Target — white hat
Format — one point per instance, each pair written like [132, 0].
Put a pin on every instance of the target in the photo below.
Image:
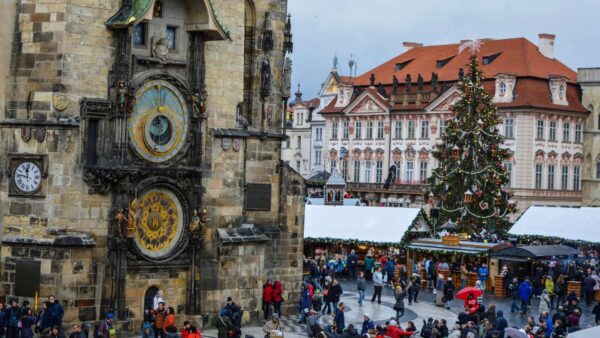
[393, 322]
[366, 315]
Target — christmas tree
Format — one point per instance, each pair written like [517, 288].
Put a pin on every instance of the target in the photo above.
[467, 184]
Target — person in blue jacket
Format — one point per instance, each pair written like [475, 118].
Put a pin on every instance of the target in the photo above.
[390, 267]
[524, 293]
[339, 320]
[366, 325]
[482, 274]
[304, 302]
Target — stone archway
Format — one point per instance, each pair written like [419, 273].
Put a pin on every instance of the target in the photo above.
[149, 298]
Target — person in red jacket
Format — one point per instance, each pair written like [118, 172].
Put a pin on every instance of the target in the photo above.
[277, 297]
[394, 331]
[471, 305]
[267, 298]
[185, 332]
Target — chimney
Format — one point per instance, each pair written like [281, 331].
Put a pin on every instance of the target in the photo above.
[546, 45]
[410, 45]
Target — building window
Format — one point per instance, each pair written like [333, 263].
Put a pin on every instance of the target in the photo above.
[564, 178]
[409, 171]
[378, 171]
[410, 129]
[356, 171]
[334, 130]
[508, 167]
[369, 130]
[598, 169]
[424, 129]
[139, 34]
[344, 165]
[578, 133]
[358, 130]
[368, 171]
[539, 168]
[502, 89]
[398, 171]
[333, 165]
[423, 172]
[345, 130]
[298, 166]
[539, 135]
[172, 37]
[509, 131]
[380, 129]
[561, 92]
[299, 142]
[566, 132]
[551, 176]
[576, 177]
[552, 136]
[398, 130]
[319, 134]
[317, 157]
[442, 128]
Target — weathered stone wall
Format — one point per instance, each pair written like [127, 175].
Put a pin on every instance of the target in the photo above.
[7, 28]
[72, 275]
[589, 79]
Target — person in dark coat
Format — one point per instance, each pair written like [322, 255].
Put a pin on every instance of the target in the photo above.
[588, 289]
[500, 323]
[335, 291]
[399, 294]
[13, 316]
[28, 320]
[449, 292]
[352, 261]
[224, 324]
[339, 320]
[54, 312]
[367, 325]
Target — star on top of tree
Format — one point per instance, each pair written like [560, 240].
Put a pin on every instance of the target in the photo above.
[472, 45]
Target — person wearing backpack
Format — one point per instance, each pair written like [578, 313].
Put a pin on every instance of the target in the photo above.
[427, 328]
[13, 320]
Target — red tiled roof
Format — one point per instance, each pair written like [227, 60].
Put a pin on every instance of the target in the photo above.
[518, 56]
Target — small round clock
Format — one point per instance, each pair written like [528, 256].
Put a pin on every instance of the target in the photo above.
[27, 177]
[158, 127]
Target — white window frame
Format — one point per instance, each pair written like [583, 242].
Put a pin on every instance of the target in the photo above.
[369, 130]
[538, 176]
[368, 165]
[356, 170]
[410, 167]
[379, 130]
[577, 177]
[551, 176]
[508, 168]
[378, 171]
[539, 134]
[398, 129]
[334, 130]
[358, 130]
[564, 177]
[566, 132]
[425, 129]
[442, 128]
[345, 126]
[509, 128]
[578, 132]
[410, 129]
[552, 131]
[423, 168]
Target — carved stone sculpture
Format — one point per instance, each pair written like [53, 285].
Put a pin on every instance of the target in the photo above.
[122, 222]
[265, 85]
[394, 85]
[408, 80]
[434, 82]
[287, 78]
[160, 48]
[419, 83]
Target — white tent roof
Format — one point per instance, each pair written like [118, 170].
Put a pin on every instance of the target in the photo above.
[375, 224]
[593, 332]
[568, 223]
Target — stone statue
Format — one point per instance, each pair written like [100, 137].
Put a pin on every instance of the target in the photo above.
[372, 79]
[131, 222]
[265, 84]
[408, 80]
[122, 97]
[394, 85]
[419, 83]
[267, 41]
[287, 78]
[122, 222]
[160, 48]
[199, 102]
[434, 82]
[381, 90]
[195, 222]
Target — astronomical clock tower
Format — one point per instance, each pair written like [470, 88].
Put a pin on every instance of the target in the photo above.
[140, 151]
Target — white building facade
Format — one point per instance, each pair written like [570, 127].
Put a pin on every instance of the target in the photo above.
[372, 129]
[296, 149]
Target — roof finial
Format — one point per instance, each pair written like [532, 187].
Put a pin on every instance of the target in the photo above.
[335, 62]
[298, 94]
[351, 64]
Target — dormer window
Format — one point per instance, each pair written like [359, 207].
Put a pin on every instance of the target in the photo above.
[490, 58]
[442, 63]
[401, 65]
[502, 89]
[505, 85]
[558, 91]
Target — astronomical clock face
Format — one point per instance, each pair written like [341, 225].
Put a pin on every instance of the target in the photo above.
[159, 223]
[158, 126]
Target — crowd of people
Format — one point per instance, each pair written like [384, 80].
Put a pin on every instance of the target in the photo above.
[558, 311]
[21, 321]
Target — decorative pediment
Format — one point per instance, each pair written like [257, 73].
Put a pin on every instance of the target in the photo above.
[367, 103]
[447, 99]
[330, 86]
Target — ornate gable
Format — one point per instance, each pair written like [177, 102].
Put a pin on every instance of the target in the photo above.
[367, 103]
[446, 100]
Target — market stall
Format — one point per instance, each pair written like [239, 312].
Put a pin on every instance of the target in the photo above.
[338, 230]
[455, 252]
[524, 260]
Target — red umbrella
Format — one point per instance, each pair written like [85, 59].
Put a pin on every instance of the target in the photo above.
[464, 293]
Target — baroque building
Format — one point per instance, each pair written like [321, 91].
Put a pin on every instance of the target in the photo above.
[296, 149]
[589, 80]
[391, 117]
[140, 149]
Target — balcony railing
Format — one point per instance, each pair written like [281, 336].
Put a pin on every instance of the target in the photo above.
[404, 186]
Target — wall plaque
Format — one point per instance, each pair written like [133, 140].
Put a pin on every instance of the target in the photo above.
[27, 278]
[258, 197]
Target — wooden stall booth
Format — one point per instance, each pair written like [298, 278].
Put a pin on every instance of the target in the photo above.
[454, 251]
[523, 261]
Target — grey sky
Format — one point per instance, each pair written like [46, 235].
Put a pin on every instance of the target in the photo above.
[373, 30]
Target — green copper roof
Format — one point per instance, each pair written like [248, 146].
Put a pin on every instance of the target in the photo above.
[130, 15]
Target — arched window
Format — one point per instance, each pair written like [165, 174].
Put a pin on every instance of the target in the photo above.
[502, 88]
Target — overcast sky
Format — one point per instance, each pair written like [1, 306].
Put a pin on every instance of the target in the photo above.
[373, 30]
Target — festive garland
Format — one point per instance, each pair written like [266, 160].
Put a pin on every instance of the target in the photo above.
[554, 239]
[447, 252]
